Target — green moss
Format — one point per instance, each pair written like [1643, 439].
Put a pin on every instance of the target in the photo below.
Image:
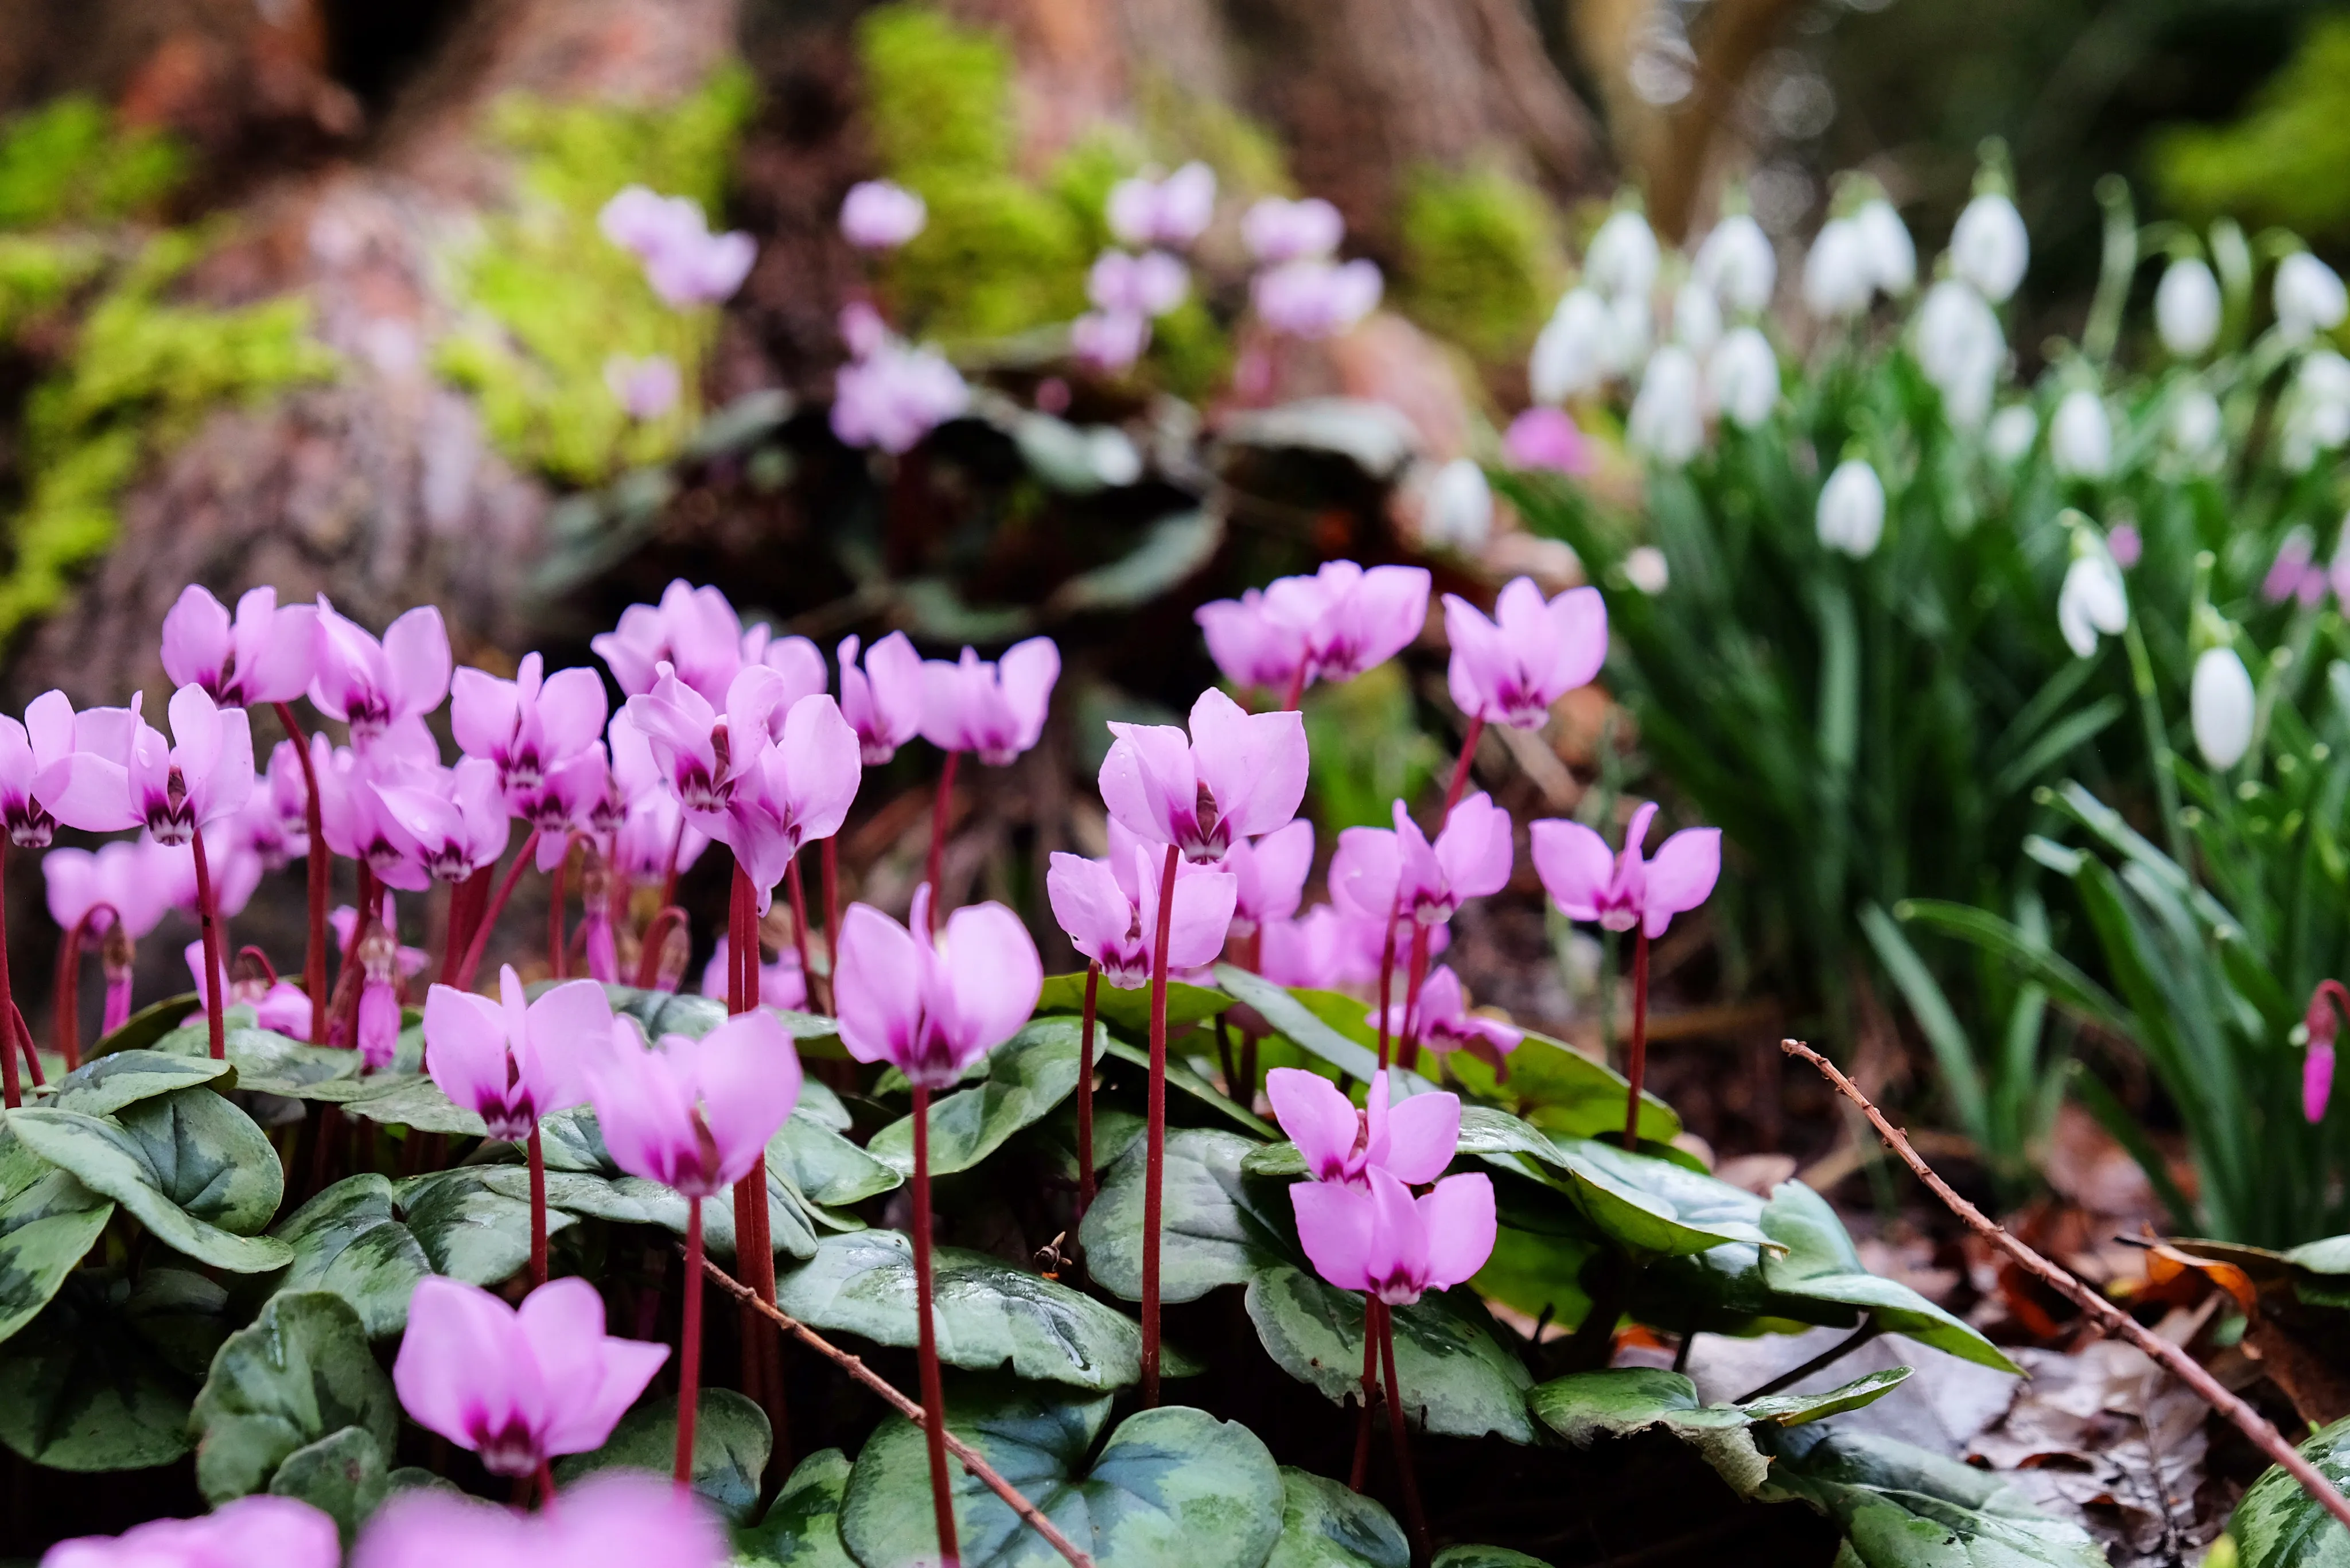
[37, 272]
[66, 160]
[939, 95]
[1481, 259]
[553, 300]
[2282, 162]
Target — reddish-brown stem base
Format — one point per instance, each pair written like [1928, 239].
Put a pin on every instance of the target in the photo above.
[1387, 984]
[320, 863]
[656, 938]
[1461, 769]
[66, 999]
[942, 819]
[754, 1244]
[934, 1399]
[688, 1345]
[537, 1211]
[799, 933]
[546, 1485]
[1636, 1059]
[11, 1089]
[1360, 1473]
[1296, 692]
[1415, 972]
[1155, 1152]
[215, 982]
[832, 916]
[1086, 1094]
[1414, 1520]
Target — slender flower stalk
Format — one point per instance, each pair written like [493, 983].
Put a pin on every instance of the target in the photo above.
[799, 931]
[934, 1399]
[318, 866]
[1476, 733]
[1415, 1519]
[1155, 1154]
[11, 1090]
[463, 979]
[215, 974]
[689, 1347]
[1085, 1093]
[1635, 1050]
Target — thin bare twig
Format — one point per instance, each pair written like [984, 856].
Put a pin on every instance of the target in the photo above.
[855, 1367]
[2109, 1318]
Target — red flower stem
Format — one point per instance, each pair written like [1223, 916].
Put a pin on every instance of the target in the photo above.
[25, 1038]
[1086, 1093]
[799, 933]
[215, 996]
[934, 1402]
[1296, 692]
[1155, 1167]
[345, 1001]
[11, 1090]
[465, 901]
[545, 1486]
[1407, 1053]
[689, 1347]
[320, 863]
[1637, 1060]
[669, 873]
[537, 1210]
[1461, 769]
[940, 813]
[832, 916]
[1387, 983]
[656, 938]
[496, 907]
[1414, 1519]
[66, 999]
[1361, 1472]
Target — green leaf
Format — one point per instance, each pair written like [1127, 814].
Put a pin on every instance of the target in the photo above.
[1653, 1206]
[1561, 1090]
[1172, 1488]
[1027, 1075]
[626, 1200]
[801, 1529]
[985, 1313]
[1962, 1078]
[342, 1475]
[1171, 551]
[1903, 1507]
[104, 1086]
[101, 1380]
[143, 1028]
[268, 1061]
[301, 1372]
[1298, 1024]
[48, 1221]
[826, 1167]
[194, 1168]
[2279, 1525]
[1456, 1379]
[731, 1443]
[1216, 1228]
[659, 1012]
[1821, 1264]
[359, 1239]
[1179, 1075]
[470, 1229]
[1324, 1525]
[1485, 1557]
[1800, 1410]
[409, 1100]
[1619, 1401]
[1129, 1011]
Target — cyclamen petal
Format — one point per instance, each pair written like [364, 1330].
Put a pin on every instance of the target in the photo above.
[246, 1532]
[932, 1008]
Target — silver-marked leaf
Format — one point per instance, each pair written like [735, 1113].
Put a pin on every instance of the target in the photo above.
[1456, 1379]
[2280, 1525]
[1304, 1028]
[632, 1201]
[1904, 1507]
[1214, 1229]
[470, 1229]
[801, 1529]
[194, 1168]
[731, 1442]
[414, 1101]
[659, 1012]
[102, 1378]
[342, 1475]
[820, 1105]
[1822, 1263]
[1171, 1488]
[101, 1087]
[1485, 1557]
[266, 1061]
[143, 1028]
[48, 1220]
[826, 1167]
[1129, 1011]
[985, 1313]
[301, 1372]
[360, 1241]
[1027, 1075]
[1619, 1401]
[1324, 1525]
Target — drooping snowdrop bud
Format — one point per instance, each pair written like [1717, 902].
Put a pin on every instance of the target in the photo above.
[1959, 348]
[2309, 298]
[2195, 430]
[2081, 438]
[1457, 507]
[1838, 278]
[2092, 601]
[1851, 516]
[1989, 246]
[2187, 307]
[2011, 431]
[1623, 255]
[1742, 378]
[1697, 318]
[2220, 707]
[1892, 255]
[1571, 354]
[1629, 323]
[2317, 409]
[1668, 419]
[880, 215]
[1646, 568]
[1737, 263]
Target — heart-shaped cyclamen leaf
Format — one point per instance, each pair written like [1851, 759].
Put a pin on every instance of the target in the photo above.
[1027, 1075]
[1324, 1525]
[2279, 1525]
[48, 1220]
[1216, 1228]
[102, 1378]
[731, 1442]
[361, 1240]
[301, 1372]
[266, 1061]
[801, 1529]
[342, 1475]
[1904, 1507]
[104, 1086]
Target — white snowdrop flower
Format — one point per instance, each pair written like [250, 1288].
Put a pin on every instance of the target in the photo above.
[1629, 325]
[1743, 377]
[1644, 569]
[1892, 255]
[1668, 419]
[1989, 247]
[1458, 506]
[2081, 438]
[2337, 571]
[2220, 707]
[2187, 307]
[2092, 601]
[1737, 263]
[2318, 411]
[1572, 353]
[1838, 278]
[1960, 349]
[2193, 429]
[1852, 509]
[2011, 432]
[1697, 318]
[1623, 255]
[2308, 296]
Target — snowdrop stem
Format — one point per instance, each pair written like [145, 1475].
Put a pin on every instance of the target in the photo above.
[208, 917]
[318, 864]
[10, 1089]
[1085, 1093]
[800, 940]
[1155, 1153]
[1461, 769]
[934, 1392]
[688, 1345]
[1414, 1520]
[491, 911]
[941, 814]
[1407, 1049]
[2157, 746]
[537, 1210]
[1635, 1057]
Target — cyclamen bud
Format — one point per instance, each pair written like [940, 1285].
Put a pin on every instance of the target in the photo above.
[2317, 1064]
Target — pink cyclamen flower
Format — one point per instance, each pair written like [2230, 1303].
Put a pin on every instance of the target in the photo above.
[2317, 1062]
[695, 1115]
[640, 814]
[279, 1006]
[1107, 341]
[893, 396]
[1545, 439]
[2295, 575]
[1269, 875]
[702, 749]
[1110, 909]
[1413, 1141]
[787, 793]
[1248, 645]
[256, 1532]
[1277, 230]
[932, 1007]
[121, 876]
[342, 919]
[2123, 543]
[692, 630]
[1316, 299]
[170, 790]
[645, 388]
[615, 1518]
[229, 855]
[1510, 669]
[1377, 869]
[1147, 285]
[996, 710]
[445, 823]
[44, 739]
[1446, 1025]
[371, 685]
[278, 814]
[1313, 950]
[1622, 891]
[1237, 775]
[1173, 211]
[1351, 620]
[780, 984]
[264, 655]
[517, 1386]
[532, 729]
[880, 215]
[1385, 1242]
[684, 262]
[883, 701]
[513, 1062]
